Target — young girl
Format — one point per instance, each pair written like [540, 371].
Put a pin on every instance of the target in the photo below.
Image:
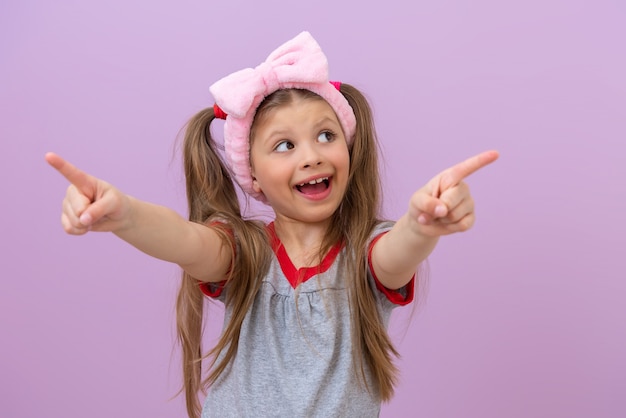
[308, 297]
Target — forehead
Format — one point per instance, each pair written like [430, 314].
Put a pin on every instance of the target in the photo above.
[299, 110]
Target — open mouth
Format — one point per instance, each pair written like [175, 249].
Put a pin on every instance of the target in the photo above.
[314, 186]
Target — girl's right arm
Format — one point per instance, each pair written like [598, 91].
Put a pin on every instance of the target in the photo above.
[91, 204]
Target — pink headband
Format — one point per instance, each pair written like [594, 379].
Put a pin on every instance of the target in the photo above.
[299, 63]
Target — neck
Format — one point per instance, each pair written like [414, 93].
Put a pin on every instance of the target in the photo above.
[301, 240]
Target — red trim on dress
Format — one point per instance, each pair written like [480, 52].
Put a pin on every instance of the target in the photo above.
[212, 289]
[296, 276]
[394, 296]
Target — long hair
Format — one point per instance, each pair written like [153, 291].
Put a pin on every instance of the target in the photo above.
[355, 219]
[212, 199]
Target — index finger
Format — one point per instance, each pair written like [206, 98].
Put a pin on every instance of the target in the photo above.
[462, 170]
[80, 179]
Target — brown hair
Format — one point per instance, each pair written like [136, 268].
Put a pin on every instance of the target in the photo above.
[212, 197]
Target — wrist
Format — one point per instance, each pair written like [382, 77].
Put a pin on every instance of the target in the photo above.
[419, 230]
[127, 215]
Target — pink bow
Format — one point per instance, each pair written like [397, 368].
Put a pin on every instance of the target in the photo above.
[298, 61]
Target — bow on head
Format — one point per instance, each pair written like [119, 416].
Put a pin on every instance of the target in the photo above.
[298, 61]
[299, 64]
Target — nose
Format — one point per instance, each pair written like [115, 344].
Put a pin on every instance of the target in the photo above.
[312, 164]
[310, 156]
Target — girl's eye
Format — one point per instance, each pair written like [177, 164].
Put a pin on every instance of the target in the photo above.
[284, 146]
[326, 136]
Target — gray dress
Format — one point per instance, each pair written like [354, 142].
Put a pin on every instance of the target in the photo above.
[294, 356]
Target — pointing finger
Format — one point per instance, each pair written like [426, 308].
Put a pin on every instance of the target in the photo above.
[83, 181]
[455, 174]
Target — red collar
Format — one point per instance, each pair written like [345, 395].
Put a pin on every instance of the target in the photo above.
[301, 275]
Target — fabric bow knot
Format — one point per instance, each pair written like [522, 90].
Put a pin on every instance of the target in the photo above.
[299, 61]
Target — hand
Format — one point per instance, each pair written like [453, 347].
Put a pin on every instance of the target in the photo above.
[444, 205]
[90, 204]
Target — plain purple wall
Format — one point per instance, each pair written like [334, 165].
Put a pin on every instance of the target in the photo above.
[525, 314]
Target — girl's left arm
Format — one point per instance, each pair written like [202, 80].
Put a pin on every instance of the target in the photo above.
[443, 206]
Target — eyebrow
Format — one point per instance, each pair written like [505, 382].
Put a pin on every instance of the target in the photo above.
[278, 132]
[286, 132]
[325, 120]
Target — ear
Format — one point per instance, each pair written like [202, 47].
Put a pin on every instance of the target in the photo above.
[255, 185]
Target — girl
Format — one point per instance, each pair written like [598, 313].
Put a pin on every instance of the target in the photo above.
[308, 297]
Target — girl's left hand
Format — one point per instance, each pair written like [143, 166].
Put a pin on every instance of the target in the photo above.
[444, 205]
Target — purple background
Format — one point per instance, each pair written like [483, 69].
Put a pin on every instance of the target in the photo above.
[525, 314]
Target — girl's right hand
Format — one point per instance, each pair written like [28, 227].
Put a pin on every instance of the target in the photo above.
[90, 204]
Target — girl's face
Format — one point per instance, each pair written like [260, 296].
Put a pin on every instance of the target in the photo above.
[300, 161]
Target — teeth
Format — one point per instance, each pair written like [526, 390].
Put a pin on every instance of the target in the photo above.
[314, 181]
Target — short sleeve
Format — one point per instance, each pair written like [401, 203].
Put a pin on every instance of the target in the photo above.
[399, 297]
[212, 289]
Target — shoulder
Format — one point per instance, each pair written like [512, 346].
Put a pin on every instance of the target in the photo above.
[380, 228]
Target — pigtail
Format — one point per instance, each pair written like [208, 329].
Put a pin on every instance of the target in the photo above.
[358, 216]
[212, 199]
